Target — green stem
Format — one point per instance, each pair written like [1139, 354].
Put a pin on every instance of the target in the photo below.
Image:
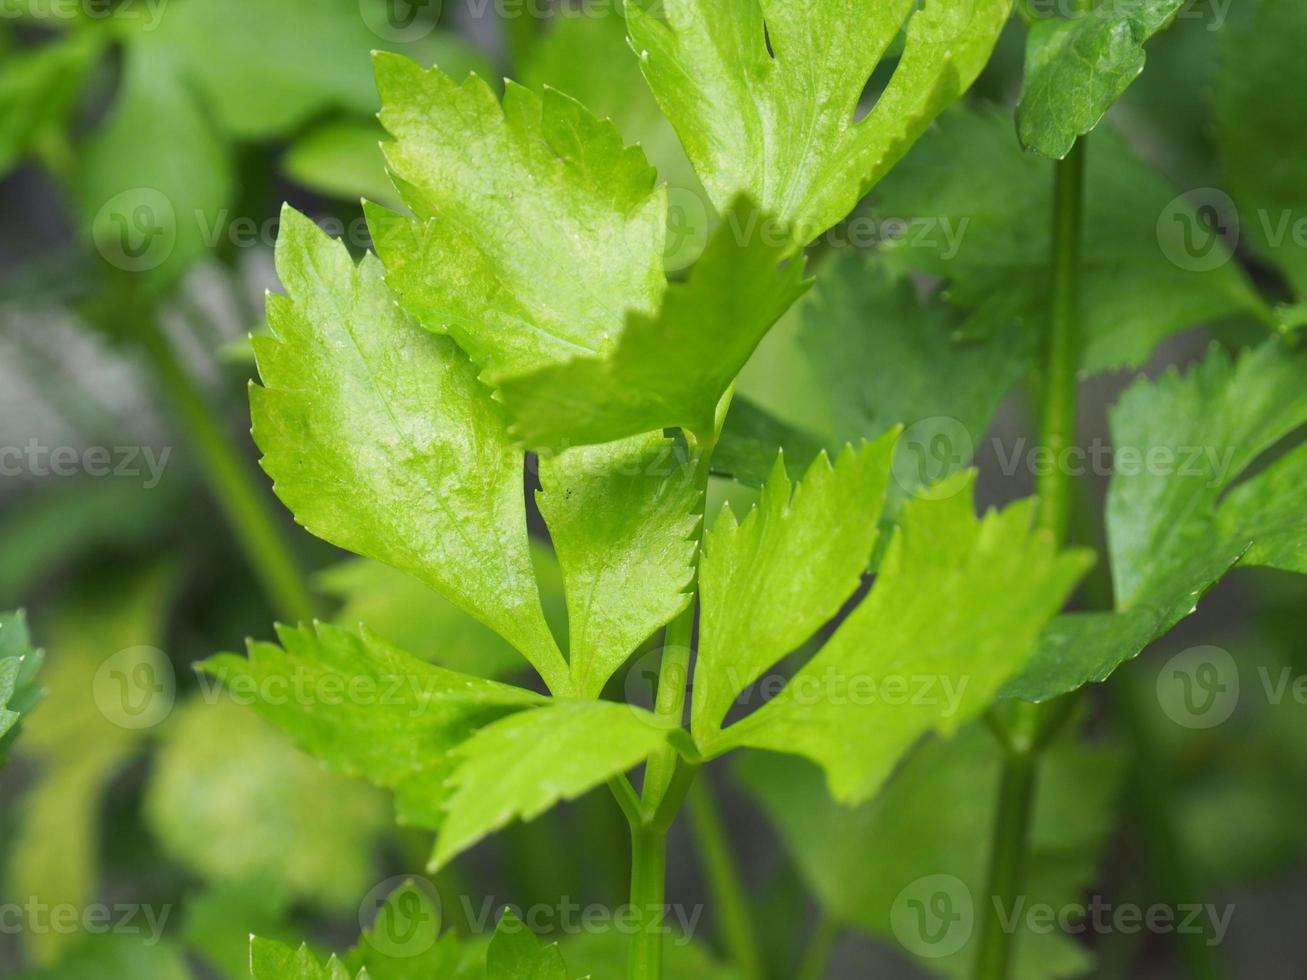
[241, 498]
[724, 884]
[1025, 729]
[667, 777]
[648, 888]
[674, 671]
[817, 955]
[1056, 488]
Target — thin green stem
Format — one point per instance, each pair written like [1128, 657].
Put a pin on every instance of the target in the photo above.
[1056, 486]
[648, 888]
[1024, 729]
[674, 671]
[242, 499]
[724, 884]
[817, 956]
[668, 777]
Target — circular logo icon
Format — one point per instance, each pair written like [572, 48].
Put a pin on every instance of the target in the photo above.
[939, 23]
[136, 688]
[687, 228]
[1199, 687]
[400, 21]
[400, 917]
[933, 916]
[1198, 231]
[644, 674]
[136, 231]
[929, 451]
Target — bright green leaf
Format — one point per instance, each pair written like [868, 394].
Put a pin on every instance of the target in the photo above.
[229, 797]
[987, 230]
[369, 709]
[768, 584]
[588, 58]
[271, 960]
[672, 369]
[379, 439]
[520, 766]
[537, 230]
[404, 943]
[1077, 66]
[622, 518]
[764, 94]
[955, 611]
[516, 954]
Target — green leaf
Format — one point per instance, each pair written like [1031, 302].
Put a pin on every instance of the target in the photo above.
[404, 942]
[929, 832]
[1261, 135]
[401, 610]
[38, 88]
[516, 954]
[589, 58]
[257, 75]
[764, 94]
[1077, 66]
[622, 518]
[520, 766]
[229, 797]
[1141, 279]
[341, 159]
[379, 439]
[955, 611]
[768, 584]
[220, 920]
[1177, 516]
[536, 229]
[271, 960]
[672, 369]
[882, 357]
[105, 683]
[19, 662]
[750, 440]
[368, 709]
[153, 183]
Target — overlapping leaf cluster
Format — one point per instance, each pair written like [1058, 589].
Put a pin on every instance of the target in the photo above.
[522, 304]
